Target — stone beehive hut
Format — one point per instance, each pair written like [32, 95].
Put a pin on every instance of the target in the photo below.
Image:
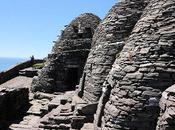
[65, 64]
[108, 41]
[130, 64]
[141, 72]
[125, 79]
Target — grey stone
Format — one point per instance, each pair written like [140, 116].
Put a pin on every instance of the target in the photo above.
[64, 66]
[138, 107]
[115, 28]
[130, 69]
[167, 114]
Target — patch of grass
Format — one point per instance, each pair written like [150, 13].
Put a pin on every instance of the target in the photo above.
[38, 65]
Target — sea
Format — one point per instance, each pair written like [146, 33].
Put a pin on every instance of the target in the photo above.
[8, 62]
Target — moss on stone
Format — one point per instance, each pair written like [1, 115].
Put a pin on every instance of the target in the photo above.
[38, 65]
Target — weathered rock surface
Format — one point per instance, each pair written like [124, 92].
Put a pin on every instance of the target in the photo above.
[65, 64]
[130, 66]
[14, 99]
[143, 70]
[39, 103]
[167, 114]
[68, 112]
[61, 113]
[108, 41]
[28, 72]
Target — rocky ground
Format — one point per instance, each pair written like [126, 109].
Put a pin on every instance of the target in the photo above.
[43, 110]
[17, 82]
[52, 111]
[123, 86]
[14, 95]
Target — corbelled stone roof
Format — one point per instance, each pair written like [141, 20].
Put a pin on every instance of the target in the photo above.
[124, 84]
[108, 41]
[144, 69]
[69, 52]
[77, 29]
[130, 64]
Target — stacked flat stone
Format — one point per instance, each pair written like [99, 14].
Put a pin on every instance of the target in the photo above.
[142, 71]
[13, 102]
[167, 114]
[108, 41]
[70, 51]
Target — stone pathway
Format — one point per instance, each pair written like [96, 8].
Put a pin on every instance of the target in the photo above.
[38, 108]
[29, 72]
[38, 102]
[69, 112]
[61, 112]
[20, 81]
[65, 111]
[88, 126]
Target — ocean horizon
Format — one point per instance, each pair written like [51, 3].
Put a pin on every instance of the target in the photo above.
[8, 62]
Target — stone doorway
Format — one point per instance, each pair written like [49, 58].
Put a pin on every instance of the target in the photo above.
[89, 33]
[72, 78]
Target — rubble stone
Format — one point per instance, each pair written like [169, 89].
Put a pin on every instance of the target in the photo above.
[124, 83]
[167, 114]
[14, 99]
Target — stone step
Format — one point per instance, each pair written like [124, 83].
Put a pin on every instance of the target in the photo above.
[20, 127]
[77, 122]
[55, 102]
[67, 114]
[34, 111]
[37, 107]
[44, 109]
[28, 122]
[88, 126]
[28, 72]
[56, 127]
[61, 119]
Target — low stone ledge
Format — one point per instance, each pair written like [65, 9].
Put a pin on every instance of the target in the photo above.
[13, 102]
[14, 71]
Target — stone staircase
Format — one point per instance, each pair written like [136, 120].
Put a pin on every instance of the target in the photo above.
[29, 122]
[59, 118]
[32, 117]
[59, 111]
[28, 72]
[69, 113]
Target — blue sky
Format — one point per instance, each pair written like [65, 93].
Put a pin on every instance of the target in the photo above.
[28, 27]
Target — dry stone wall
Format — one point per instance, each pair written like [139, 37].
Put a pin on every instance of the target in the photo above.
[130, 64]
[65, 64]
[13, 102]
[124, 84]
[142, 71]
[14, 71]
[167, 114]
[108, 41]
